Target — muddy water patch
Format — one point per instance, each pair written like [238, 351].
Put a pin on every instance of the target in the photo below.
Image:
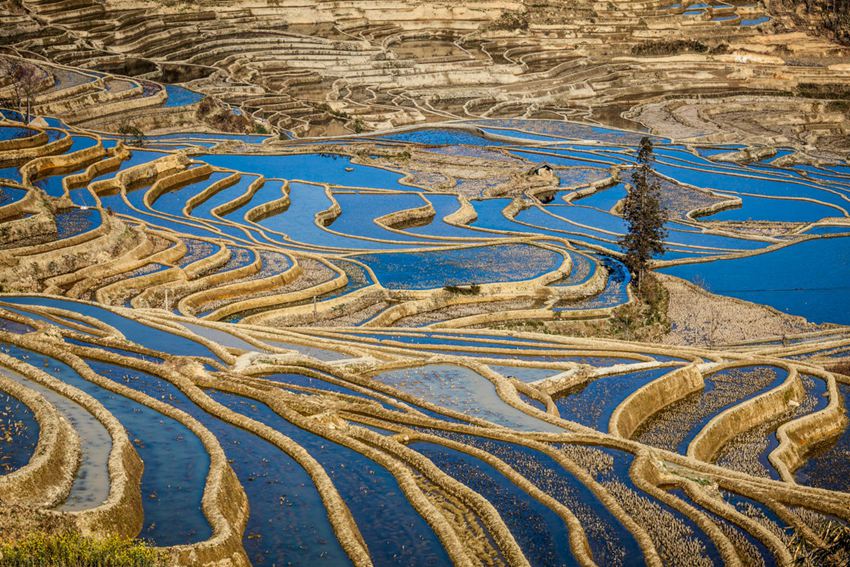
[91, 481]
[463, 390]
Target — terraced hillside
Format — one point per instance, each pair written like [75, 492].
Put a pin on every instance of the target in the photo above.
[342, 283]
[328, 67]
[381, 446]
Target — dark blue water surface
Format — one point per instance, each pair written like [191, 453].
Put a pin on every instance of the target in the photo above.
[71, 222]
[608, 538]
[808, 279]
[442, 137]
[18, 433]
[394, 532]
[826, 466]
[755, 21]
[776, 210]
[150, 337]
[444, 205]
[173, 201]
[539, 531]
[359, 211]
[591, 404]
[15, 327]
[52, 182]
[320, 168]
[180, 96]
[9, 195]
[176, 462]
[486, 264]
[604, 199]
[298, 221]
[224, 195]
[137, 157]
[15, 132]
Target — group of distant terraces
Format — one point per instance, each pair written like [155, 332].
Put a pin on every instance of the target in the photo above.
[328, 68]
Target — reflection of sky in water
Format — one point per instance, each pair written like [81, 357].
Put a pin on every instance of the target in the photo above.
[462, 390]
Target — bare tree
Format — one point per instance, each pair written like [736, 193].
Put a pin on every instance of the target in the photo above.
[24, 79]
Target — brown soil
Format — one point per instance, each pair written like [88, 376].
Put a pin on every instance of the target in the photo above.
[700, 318]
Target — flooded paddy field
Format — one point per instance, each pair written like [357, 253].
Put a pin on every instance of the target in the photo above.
[397, 448]
[384, 328]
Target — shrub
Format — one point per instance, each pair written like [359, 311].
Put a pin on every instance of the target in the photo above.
[206, 106]
[824, 90]
[473, 289]
[132, 134]
[223, 118]
[72, 549]
[834, 552]
[338, 114]
[645, 318]
[510, 21]
[840, 367]
[828, 17]
[838, 106]
[669, 47]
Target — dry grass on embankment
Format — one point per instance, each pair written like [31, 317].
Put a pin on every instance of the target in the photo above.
[701, 318]
[71, 548]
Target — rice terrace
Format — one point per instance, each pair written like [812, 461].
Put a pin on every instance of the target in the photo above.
[421, 282]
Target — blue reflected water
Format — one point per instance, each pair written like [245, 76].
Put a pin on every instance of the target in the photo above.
[809, 279]
[319, 168]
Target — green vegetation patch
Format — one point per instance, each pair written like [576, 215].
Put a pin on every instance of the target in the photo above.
[669, 47]
[72, 549]
[839, 91]
[644, 318]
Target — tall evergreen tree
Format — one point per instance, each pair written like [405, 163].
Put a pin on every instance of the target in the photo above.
[644, 216]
